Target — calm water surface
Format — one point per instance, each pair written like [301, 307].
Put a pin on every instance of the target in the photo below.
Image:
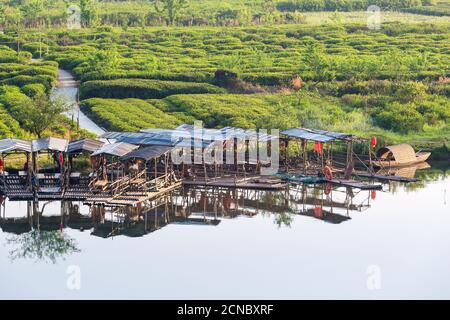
[205, 244]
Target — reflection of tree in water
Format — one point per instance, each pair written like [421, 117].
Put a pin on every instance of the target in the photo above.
[284, 219]
[426, 176]
[42, 245]
[271, 199]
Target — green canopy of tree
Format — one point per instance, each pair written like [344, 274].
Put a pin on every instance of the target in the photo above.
[38, 113]
[170, 8]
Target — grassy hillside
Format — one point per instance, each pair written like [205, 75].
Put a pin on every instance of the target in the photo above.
[270, 64]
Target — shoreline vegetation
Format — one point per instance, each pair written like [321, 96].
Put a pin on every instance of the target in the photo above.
[286, 64]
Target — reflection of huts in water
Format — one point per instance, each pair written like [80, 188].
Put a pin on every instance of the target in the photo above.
[15, 225]
[399, 155]
[325, 215]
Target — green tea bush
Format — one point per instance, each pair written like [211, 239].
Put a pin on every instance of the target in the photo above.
[142, 89]
[33, 89]
[9, 127]
[127, 114]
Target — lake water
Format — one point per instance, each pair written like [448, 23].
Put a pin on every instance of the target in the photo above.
[305, 243]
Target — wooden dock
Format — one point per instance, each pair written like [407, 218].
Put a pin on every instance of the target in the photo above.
[253, 182]
[355, 184]
[130, 198]
[381, 177]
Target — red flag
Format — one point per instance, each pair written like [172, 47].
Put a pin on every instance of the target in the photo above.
[373, 142]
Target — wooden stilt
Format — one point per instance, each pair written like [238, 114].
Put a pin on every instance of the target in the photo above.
[304, 142]
[286, 148]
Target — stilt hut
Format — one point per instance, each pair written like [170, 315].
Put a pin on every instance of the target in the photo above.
[15, 184]
[80, 148]
[51, 179]
[208, 153]
[149, 168]
[323, 155]
[109, 172]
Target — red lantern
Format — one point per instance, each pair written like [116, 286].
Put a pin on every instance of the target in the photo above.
[61, 159]
[318, 147]
[373, 142]
[373, 195]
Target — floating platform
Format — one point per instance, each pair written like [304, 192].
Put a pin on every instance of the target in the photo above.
[355, 184]
[254, 182]
[130, 198]
[381, 177]
[300, 178]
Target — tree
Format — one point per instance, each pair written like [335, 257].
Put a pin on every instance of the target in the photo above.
[32, 11]
[40, 112]
[316, 62]
[170, 8]
[88, 12]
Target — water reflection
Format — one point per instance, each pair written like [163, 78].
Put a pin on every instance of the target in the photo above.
[40, 233]
[37, 237]
[49, 246]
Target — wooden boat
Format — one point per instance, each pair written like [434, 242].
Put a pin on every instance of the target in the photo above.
[399, 155]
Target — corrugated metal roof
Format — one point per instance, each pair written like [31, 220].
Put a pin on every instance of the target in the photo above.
[186, 136]
[337, 135]
[84, 145]
[50, 143]
[118, 149]
[227, 133]
[307, 135]
[147, 153]
[7, 145]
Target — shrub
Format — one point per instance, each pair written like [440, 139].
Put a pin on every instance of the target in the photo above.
[127, 114]
[143, 89]
[9, 127]
[399, 117]
[33, 89]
